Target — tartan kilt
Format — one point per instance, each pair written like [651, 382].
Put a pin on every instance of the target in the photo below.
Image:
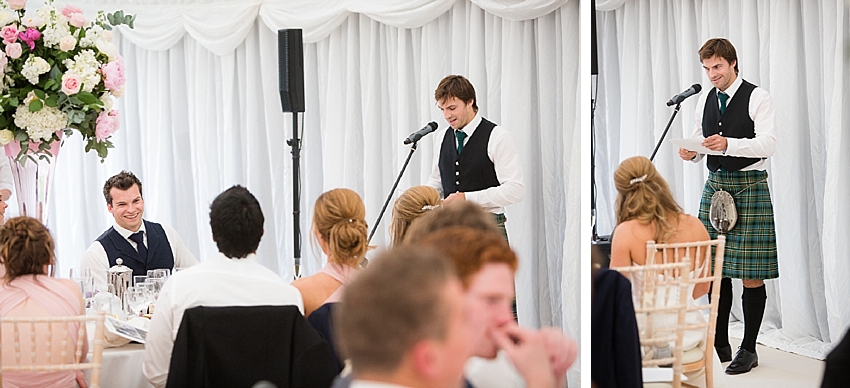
[751, 245]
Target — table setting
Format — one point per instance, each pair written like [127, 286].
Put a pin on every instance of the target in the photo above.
[128, 302]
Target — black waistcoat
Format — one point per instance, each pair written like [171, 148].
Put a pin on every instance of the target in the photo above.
[159, 250]
[472, 170]
[735, 123]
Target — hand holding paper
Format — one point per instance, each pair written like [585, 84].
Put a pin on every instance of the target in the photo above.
[695, 144]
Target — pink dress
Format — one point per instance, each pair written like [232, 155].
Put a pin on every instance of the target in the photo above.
[40, 295]
[344, 274]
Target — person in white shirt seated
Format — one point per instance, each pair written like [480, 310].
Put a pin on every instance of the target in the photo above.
[140, 244]
[234, 278]
[401, 322]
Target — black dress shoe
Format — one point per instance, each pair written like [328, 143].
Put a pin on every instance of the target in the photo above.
[724, 353]
[744, 362]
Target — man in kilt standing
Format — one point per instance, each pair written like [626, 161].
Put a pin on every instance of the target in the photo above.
[737, 119]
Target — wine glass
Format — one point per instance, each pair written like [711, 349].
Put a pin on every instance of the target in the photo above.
[138, 298]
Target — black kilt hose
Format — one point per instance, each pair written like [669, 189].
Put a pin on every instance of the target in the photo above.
[751, 245]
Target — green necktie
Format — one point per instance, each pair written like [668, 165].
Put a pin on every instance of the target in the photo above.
[460, 136]
[723, 97]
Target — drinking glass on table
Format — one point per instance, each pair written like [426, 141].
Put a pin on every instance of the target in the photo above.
[137, 298]
[83, 278]
[161, 273]
[138, 280]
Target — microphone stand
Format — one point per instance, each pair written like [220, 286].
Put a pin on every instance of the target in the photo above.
[390, 196]
[673, 116]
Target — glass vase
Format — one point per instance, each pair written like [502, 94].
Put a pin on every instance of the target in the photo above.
[33, 179]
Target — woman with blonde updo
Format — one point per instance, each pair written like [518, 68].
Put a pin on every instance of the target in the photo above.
[339, 226]
[647, 211]
[413, 203]
[26, 250]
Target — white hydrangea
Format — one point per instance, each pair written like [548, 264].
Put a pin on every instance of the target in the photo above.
[34, 67]
[40, 125]
[85, 65]
[92, 35]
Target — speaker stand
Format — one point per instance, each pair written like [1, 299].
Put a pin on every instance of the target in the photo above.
[295, 143]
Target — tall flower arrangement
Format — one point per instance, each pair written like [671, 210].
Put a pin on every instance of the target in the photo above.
[59, 73]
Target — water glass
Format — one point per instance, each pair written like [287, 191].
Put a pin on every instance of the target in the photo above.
[139, 280]
[159, 274]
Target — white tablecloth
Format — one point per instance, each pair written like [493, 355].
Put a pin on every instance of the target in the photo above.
[122, 367]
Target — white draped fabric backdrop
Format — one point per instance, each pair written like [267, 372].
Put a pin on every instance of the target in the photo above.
[799, 51]
[202, 113]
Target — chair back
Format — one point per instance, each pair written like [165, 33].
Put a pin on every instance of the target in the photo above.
[238, 346]
[707, 263]
[660, 291]
[52, 331]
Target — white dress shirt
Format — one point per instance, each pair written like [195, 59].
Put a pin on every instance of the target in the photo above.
[493, 373]
[373, 384]
[505, 158]
[761, 112]
[96, 259]
[217, 282]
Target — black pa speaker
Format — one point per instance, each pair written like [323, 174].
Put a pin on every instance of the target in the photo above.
[290, 60]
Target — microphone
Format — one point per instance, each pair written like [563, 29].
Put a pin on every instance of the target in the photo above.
[415, 136]
[677, 99]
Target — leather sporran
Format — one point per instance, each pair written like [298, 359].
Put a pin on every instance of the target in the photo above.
[723, 213]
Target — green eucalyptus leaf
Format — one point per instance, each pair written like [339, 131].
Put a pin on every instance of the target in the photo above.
[13, 101]
[87, 98]
[36, 105]
[21, 136]
[52, 101]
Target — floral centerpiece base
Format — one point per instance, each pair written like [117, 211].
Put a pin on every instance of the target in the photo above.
[33, 179]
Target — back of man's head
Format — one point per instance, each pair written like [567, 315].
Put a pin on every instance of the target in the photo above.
[458, 213]
[237, 222]
[469, 250]
[394, 304]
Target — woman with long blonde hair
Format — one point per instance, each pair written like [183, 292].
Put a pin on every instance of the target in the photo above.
[647, 211]
[339, 226]
[410, 205]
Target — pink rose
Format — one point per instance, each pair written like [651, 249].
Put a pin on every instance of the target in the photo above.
[69, 10]
[71, 83]
[78, 20]
[17, 4]
[14, 50]
[106, 124]
[29, 37]
[113, 74]
[9, 33]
